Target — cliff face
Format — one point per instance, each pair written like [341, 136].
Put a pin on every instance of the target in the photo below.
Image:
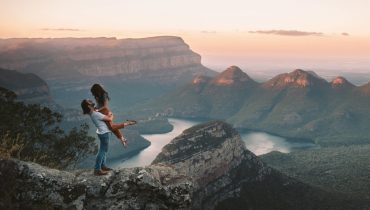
[206, 167]
[73, 57]
[210, 154]
[28, 87]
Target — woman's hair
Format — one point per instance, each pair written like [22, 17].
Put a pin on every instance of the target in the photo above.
[99, 93]
[85, 107]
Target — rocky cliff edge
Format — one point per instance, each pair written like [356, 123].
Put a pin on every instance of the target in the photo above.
[206, 167]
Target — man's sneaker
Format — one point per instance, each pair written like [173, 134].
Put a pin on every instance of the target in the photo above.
[100, 172]
[105, 168]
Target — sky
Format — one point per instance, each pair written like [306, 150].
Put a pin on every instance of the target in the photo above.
[326, 34]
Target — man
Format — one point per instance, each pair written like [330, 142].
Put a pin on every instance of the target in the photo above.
[88, 107]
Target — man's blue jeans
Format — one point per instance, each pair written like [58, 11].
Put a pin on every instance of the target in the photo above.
[103, 149]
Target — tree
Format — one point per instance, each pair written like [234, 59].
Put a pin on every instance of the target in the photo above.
[32, 133]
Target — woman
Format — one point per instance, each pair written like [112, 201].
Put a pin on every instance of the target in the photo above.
[102, 98]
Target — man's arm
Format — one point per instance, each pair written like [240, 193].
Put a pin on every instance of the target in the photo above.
[108, 117]
[103, 117]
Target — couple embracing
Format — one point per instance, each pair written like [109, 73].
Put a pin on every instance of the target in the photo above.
[102, 118]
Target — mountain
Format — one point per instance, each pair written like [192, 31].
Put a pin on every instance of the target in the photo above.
[217, 97]
[29, 87]
[299, 105]
[232, 76]
[286, 102]
[297, 78]
[132, 70]
[206, 167]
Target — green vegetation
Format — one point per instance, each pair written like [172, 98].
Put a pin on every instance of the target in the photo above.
[32, 133]
[344, 169]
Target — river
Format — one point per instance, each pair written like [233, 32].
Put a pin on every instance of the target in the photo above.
[257, 142]
[261, 143]
[158, 141]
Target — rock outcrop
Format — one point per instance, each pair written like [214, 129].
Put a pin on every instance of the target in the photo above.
[206, 167]
[27, 185]
[210, 154]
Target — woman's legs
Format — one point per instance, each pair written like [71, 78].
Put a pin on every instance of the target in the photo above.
[103, 149]
[114, 127]
[117, 126]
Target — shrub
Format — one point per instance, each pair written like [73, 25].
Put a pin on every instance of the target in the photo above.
[32, 133]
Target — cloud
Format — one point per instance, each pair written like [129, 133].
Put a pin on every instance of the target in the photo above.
[345, 34]
[208, 32]
[287, 32]
[60, 29]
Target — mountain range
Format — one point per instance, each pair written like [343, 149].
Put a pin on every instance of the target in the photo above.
[299, 104]
[68, 58]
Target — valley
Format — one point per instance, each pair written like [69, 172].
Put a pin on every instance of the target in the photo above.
[312, 132]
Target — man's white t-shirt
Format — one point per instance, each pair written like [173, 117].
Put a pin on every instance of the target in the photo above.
[97, 119]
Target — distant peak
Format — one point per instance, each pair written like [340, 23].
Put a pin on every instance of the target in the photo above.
[234, 69]
[231, 75]
[299, 71]
[341, 82]
[297, 77]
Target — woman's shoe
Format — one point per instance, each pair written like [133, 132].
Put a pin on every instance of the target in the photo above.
[124, 142]
[131, 122]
